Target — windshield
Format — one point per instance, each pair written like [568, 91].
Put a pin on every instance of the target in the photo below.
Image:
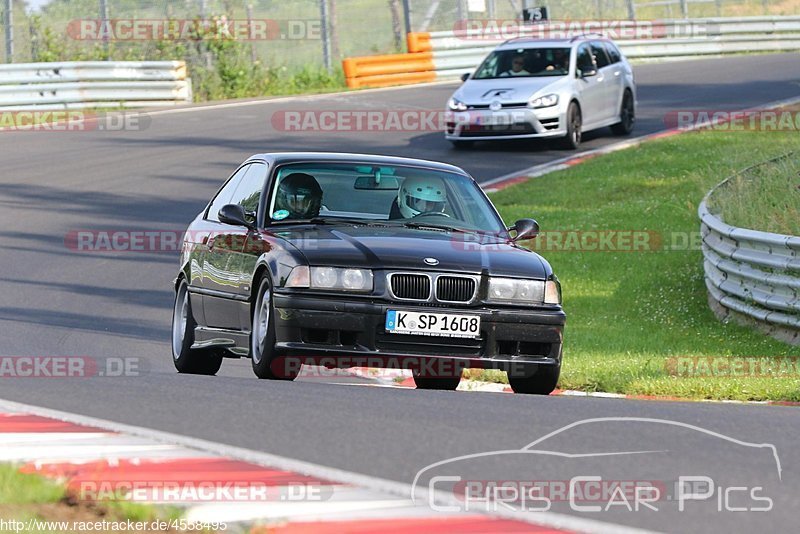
[525, 62]
[402, 195]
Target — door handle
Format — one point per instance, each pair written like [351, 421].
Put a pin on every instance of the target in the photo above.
[616, 73]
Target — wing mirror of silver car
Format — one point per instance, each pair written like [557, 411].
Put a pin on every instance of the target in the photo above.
[234, 215]
[588, 71]
[465, 76]
[525, 229]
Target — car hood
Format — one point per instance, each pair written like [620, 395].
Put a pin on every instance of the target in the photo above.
[506, 90]
[406, 248]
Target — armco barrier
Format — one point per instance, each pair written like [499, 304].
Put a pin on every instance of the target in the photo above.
[752, 276]
[75, 85]
[449, 54]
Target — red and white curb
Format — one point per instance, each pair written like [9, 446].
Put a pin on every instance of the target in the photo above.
[405, 381]
[103, 457]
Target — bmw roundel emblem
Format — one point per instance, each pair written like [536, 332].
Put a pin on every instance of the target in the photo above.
[431, 261]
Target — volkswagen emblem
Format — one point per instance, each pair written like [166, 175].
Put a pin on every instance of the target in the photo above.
[431, 261]
[496, 105]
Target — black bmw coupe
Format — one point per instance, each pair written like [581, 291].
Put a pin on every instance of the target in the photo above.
[349, 260]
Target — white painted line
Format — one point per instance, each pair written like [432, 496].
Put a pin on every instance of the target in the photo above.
[551, 519]
[11, 439]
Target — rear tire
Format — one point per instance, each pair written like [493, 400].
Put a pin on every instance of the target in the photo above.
[262, 337]
[186, 359]
[627, 116]
[446, 383]
[572, 140]
[542, 383]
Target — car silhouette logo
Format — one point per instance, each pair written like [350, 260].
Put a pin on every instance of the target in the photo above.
[431, 261]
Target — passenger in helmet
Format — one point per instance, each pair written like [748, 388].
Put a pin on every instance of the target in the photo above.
[421, 195]
[300, 195]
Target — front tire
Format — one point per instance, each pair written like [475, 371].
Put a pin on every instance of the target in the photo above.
[262, 338]
[186, 359]
[627, 116]
[444, 383]
[572, 140]
[542, 383]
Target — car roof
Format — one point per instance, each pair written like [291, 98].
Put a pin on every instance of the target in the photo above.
[277, 158]
[533, 42]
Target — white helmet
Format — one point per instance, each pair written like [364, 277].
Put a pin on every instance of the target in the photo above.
[421, 195]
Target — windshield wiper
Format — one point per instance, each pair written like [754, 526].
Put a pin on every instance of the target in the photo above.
[344, 220]
[434, 226]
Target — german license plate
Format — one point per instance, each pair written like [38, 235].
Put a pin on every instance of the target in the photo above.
[433, 324]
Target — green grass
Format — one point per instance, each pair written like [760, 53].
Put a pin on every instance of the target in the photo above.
[19, 488]
[629, 312]
[765, 198]
[22, 496]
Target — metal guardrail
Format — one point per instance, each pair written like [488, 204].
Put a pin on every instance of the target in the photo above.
[76, 85]
[452, 53]
[754, 274]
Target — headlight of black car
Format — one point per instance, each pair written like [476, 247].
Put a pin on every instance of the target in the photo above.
[517, 291]
[331, 278]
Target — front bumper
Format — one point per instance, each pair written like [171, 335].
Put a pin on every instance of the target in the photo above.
[345, 332]
[508, 123]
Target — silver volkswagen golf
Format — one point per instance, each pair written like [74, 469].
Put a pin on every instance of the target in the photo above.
[556, 88]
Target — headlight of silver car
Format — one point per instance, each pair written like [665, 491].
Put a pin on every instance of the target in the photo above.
[545, 101]
[512, 290]
[455, 104]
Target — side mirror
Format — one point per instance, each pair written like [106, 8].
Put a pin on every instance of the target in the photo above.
[234, 215]
[588, 71]
[526, 229]
[465, 76]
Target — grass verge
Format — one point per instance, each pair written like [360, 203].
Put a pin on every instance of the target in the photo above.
[638, 319]
[44, 503]
[765, 198]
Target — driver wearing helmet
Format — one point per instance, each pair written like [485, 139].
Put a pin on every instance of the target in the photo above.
[418, 196]
[299, 196]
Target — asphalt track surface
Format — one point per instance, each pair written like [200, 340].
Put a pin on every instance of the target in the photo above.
[57, 301]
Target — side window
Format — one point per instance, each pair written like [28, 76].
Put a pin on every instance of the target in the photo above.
[585, 60]
[599, 53]
[225, 194]
[613, 52]
[248, 192]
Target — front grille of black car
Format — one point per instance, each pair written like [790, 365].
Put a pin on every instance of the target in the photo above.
[455, 289]
[411, 286]
[427, 345]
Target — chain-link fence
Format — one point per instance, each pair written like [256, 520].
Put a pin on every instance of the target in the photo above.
[295, 35]
[433, 15]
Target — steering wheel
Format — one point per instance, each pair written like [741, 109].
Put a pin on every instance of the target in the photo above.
[429, 213]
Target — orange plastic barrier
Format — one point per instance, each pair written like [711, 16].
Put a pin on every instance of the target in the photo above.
[419, 42]
[390, 69]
